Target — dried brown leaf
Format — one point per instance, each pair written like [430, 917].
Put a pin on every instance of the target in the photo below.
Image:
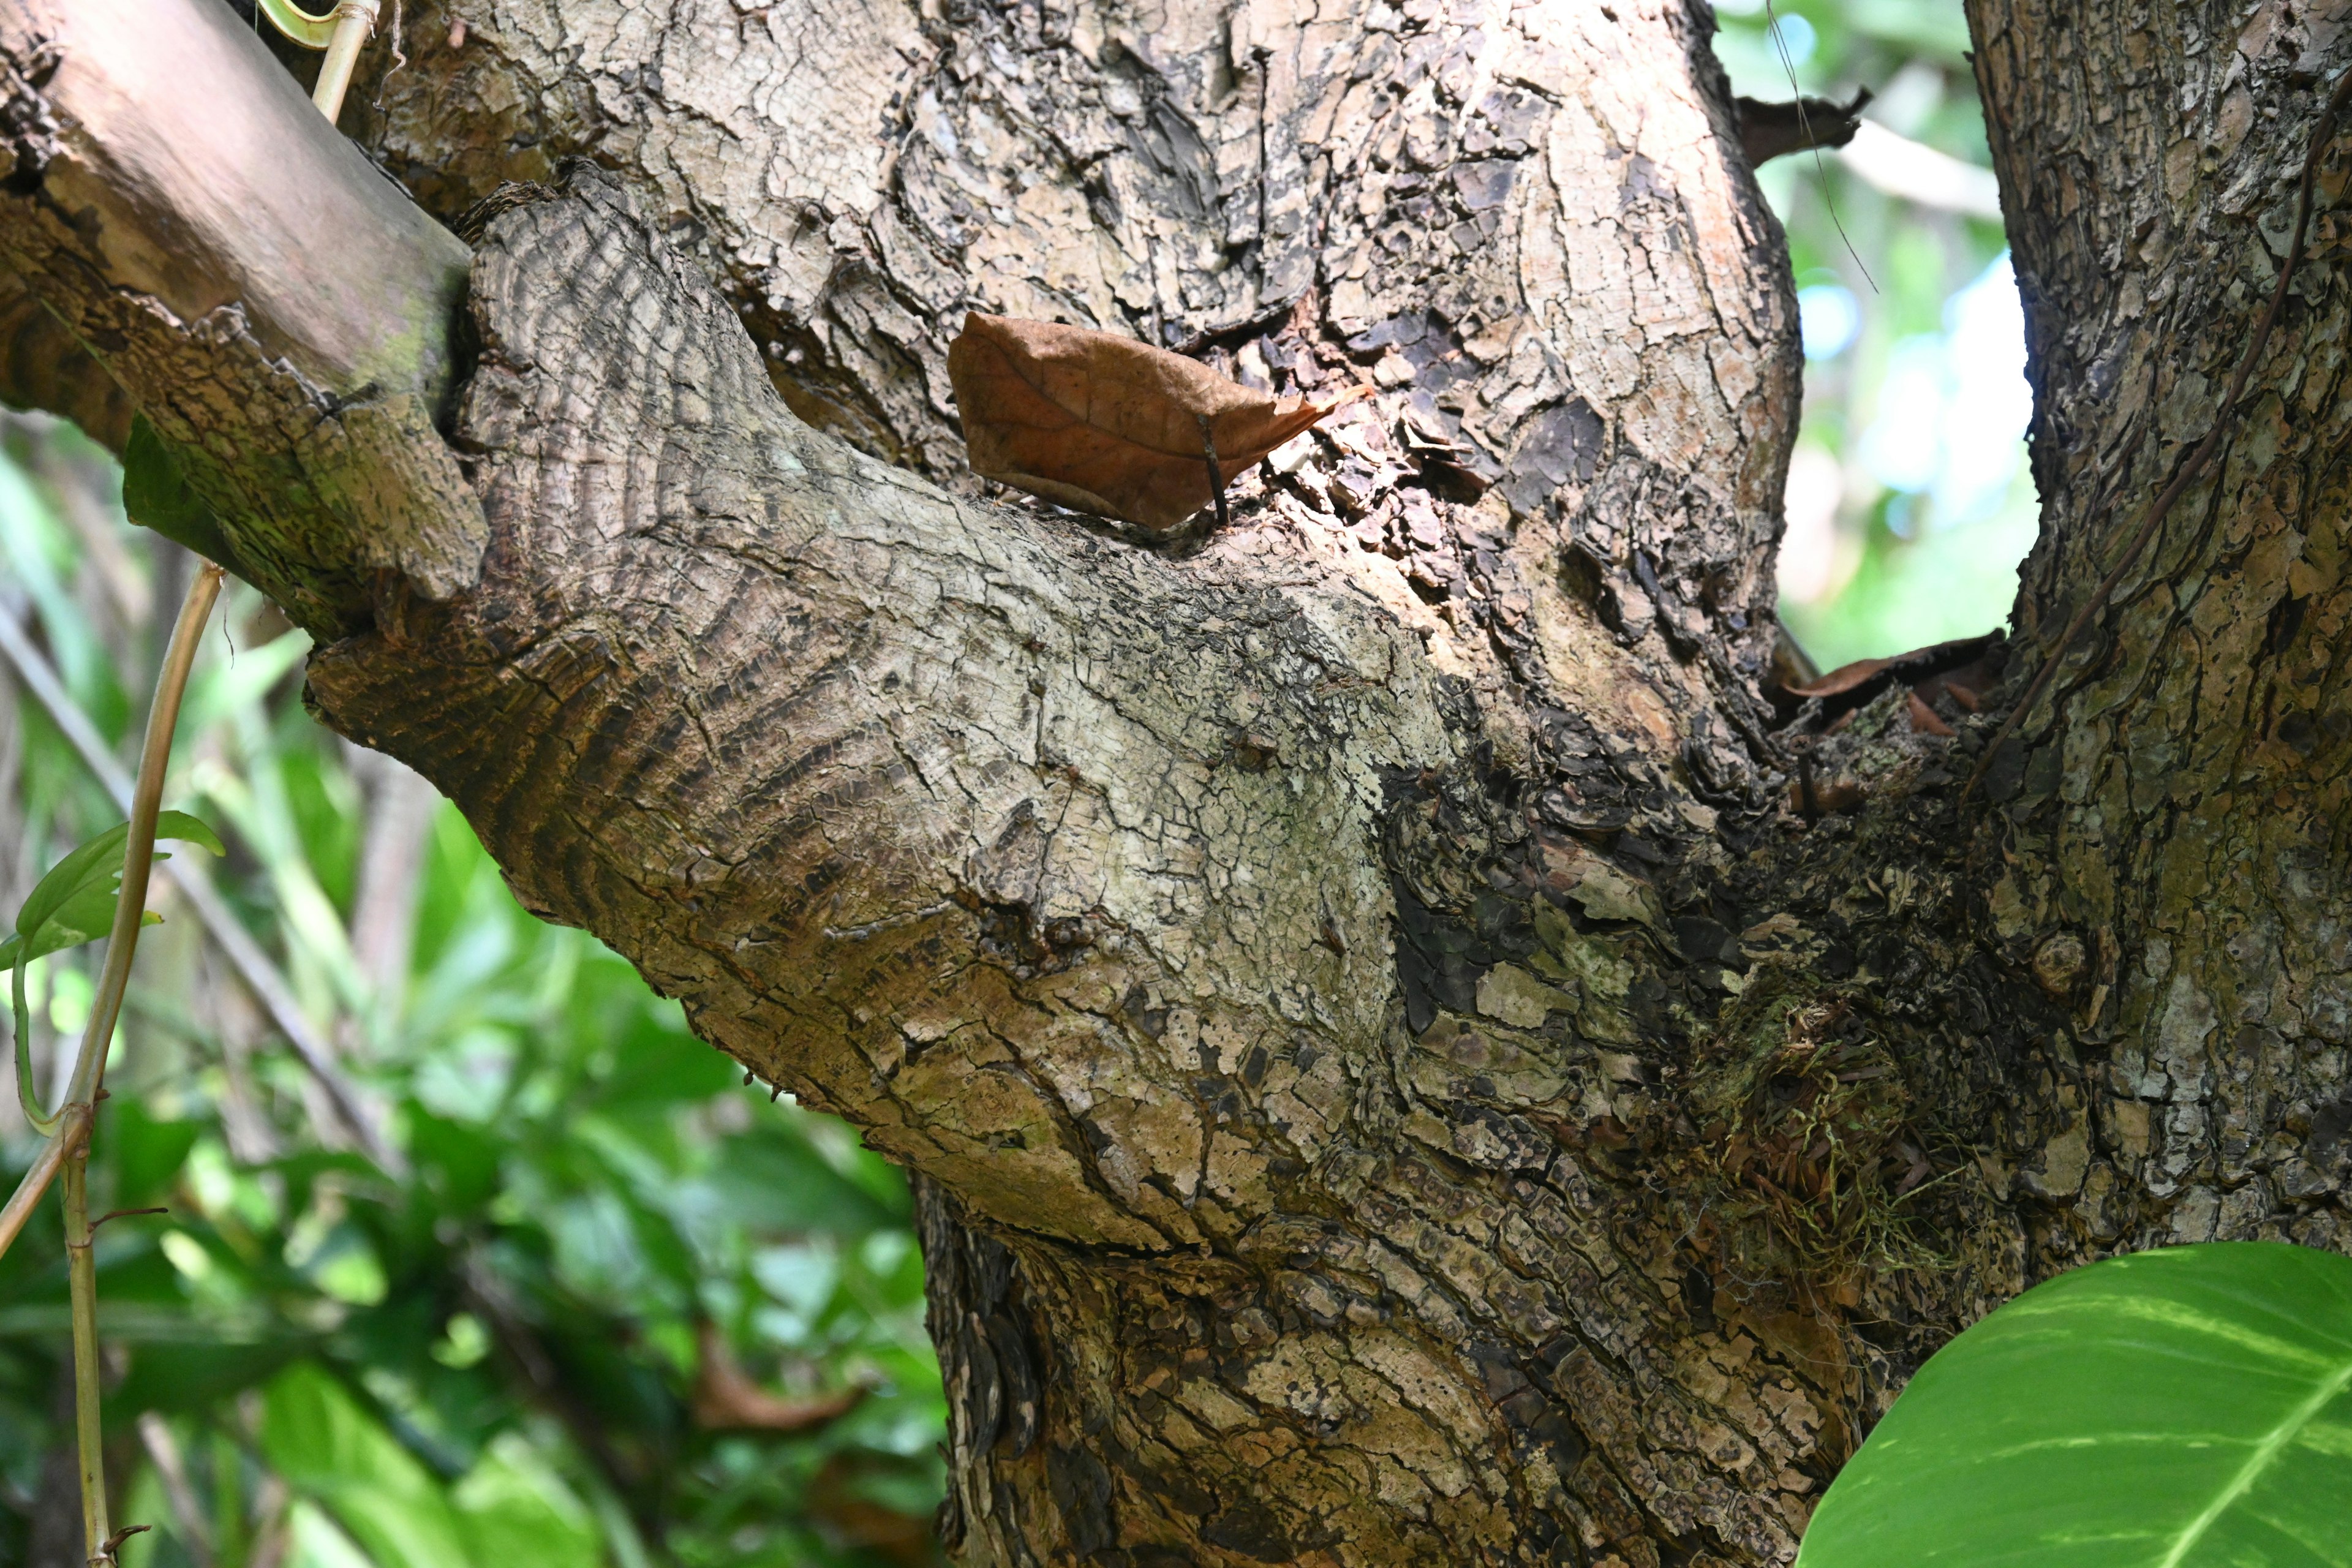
[1844, 677]
[1962, 652]
[1107, 425]
[1926, 721]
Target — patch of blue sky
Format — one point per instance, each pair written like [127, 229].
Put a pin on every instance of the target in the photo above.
[1952, 407]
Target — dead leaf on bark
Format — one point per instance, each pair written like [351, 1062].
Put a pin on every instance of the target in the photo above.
[1107, 425]
[1964, 669]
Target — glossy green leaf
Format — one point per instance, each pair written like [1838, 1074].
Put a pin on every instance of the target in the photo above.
[90, 864]
[2184, 1408]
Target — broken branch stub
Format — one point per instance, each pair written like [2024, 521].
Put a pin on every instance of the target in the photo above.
[1109, 426]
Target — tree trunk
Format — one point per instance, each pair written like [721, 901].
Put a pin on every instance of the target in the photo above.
[1408, 1054]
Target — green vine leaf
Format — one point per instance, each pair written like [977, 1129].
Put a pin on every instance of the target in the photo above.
[73, 904]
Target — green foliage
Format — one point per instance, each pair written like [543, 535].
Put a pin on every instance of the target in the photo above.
[493, 1358]
[76, 904]
[2184, 1408]
[154, 491]
[1876, 561]
[508, 1507]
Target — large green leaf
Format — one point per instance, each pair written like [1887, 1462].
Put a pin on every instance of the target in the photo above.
[330, 1449]
[2183, 1408]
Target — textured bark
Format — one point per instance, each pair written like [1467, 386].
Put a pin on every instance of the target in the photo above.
[1396, 1070]
[2175, 812]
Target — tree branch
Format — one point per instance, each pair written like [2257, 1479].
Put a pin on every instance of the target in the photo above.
[277, 309]
[911, 802]
[1299, 938]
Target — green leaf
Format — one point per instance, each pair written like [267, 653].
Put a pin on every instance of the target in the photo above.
[73, 904]
[155, 492]
[330, 1450]
[517, 1512]
[2184, 1408]
[90, 866]
[168, 1377]
[459, 1161]
[147, 1154]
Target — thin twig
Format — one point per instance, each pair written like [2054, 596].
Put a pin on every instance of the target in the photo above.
[253, 967]
[1216, 475]
[105, 1554]
[2195, 467]
[1805, 124]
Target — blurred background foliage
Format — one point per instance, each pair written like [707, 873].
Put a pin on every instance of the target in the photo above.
[599, 1303]
[1909, 502]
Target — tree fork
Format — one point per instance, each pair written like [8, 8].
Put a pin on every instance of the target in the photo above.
[1390, 1075]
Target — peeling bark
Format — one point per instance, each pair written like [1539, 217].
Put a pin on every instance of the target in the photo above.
[1408, 1054]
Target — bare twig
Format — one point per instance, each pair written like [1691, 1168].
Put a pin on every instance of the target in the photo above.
[1804, 124]
[2195, 467]
[105, 1554]
[1216, 477]
[726, 1399]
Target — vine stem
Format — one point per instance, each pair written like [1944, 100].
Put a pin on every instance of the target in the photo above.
[81, 1275]
[2321, 135]
[68, 1151]
[138, 857]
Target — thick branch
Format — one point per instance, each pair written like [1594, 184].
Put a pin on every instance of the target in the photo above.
[279, 312]
[847, 764]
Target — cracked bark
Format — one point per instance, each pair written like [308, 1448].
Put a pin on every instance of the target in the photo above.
[1391, 1074]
